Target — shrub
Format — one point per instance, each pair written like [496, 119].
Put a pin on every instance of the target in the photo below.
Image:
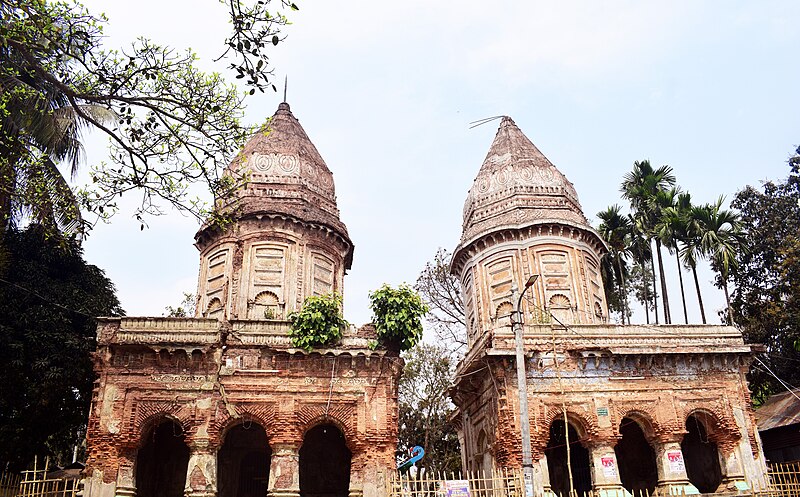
[319, 322]
[397, 314]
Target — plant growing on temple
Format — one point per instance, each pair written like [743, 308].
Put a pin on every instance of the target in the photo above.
[48, 299]
[397, 314]
[169, 124]
[319, 322]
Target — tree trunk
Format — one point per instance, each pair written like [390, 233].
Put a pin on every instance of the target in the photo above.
[664, 296]
[727, 301]
[624, 291]
[699, 296]
[680, 277]
[646, 296]
[655, 290]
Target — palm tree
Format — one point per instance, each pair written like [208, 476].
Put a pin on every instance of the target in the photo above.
[642, 254]
[46, 128]
[640, 187]
[616, 230]
[721, 239]
[669, 228]
[692, 250]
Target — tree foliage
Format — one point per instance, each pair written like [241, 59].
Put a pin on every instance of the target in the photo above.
[185, 309]
[397, 314]
[319, 322]
[170, 124]
[425, 408]
[441, 291]
[766, 298]
[48, 298]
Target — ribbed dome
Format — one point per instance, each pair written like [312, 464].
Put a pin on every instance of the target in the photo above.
[517, 186]
[284, 174]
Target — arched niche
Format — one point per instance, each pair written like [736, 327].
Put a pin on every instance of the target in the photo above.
[561, 307]
[636, 458]
[556, 453]
[700, 454]
[502, 315]
[162, 461]
[243, 461]
[214, 310]
[265, 306]
[324, 463]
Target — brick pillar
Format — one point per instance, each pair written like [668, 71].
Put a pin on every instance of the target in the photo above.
[357, 473]
[605, 470]
[201, 473]
[541, 476]
[672, 476]
[730, 458]
[284, 471]
[126, 479]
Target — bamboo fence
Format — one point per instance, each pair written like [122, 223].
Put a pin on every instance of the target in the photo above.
[36, 483]
[785, 478]
[784, 482]
[503, 483]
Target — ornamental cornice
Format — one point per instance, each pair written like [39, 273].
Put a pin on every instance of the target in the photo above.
[532, 233]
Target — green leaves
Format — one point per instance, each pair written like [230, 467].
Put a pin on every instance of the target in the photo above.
[319, 323]
[169, 124]
[397, 315]
[47, 334]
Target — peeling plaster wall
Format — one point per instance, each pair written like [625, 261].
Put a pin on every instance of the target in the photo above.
[247, 373]
[600, 386]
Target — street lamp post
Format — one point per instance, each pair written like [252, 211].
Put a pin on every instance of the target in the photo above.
[522, 384]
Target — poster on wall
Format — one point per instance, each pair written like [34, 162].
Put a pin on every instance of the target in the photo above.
[675, 458]
[609, 466]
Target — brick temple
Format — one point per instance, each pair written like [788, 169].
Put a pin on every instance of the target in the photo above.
[659, 408]
[221, 404]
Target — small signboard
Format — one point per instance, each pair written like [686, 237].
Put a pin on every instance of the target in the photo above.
[675, 458]
[609, 466]
[457, 488]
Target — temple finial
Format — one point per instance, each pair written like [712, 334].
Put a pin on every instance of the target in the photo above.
[285, 84]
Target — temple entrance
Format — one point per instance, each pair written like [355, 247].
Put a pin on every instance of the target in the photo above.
[700, 456]
[324, 463]
[636, 459]
[556, 453]
[243, 462]
[162, 462]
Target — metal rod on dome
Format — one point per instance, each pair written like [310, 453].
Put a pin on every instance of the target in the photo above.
[285, 84]
[483, 121]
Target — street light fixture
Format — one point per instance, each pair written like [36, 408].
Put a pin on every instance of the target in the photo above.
[522, 384]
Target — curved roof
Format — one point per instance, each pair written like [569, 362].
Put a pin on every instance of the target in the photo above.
[283, 173]
[517, 186]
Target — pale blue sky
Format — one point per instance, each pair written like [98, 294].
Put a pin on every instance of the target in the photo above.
[386, 91]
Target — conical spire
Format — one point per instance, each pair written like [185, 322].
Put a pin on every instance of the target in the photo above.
[285, 174]
[517, 186]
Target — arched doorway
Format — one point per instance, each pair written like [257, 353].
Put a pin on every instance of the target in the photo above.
[324, 463]
[162, 462]
[243, 462]
[556, 453]
[700, 455]
[636, 459]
